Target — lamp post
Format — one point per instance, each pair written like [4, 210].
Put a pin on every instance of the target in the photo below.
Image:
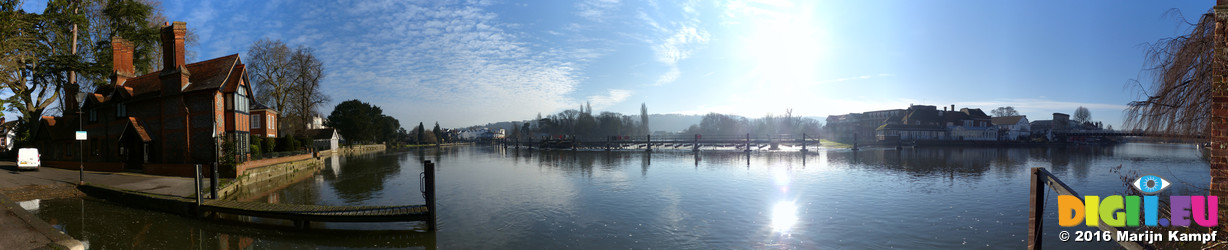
[80, 140]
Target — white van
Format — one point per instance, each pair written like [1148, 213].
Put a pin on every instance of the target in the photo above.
[28, 158]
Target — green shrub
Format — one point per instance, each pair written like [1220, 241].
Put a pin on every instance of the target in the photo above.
[305, 141]
[255, 150]
[287, 143]
[269, 145]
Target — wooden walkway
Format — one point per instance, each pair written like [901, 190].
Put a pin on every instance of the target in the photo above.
[302, 214]
[297, 212]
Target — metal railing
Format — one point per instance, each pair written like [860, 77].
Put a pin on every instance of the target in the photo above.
[1041, 178]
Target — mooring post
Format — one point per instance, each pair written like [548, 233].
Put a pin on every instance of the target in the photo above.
[1036, 209]
[747, 147]
[649, 143]
[696, 149]
[197, 186]
[213, 182]
[429, 168]
[855, 142]
[804, 147]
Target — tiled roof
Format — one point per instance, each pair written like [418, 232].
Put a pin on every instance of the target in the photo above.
[204, 75]
[320, 134]
[1007, 120]
[140, 130]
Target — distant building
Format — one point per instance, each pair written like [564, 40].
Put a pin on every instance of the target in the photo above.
[317, 122]
[7, 134]
[843, 128]
[325, 139]
[1012, 128]
[927, 123]
[264, 120]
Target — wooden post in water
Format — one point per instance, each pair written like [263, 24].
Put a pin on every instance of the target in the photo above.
[747, 147]
[696, 149]
[855, 142]
[649, 143]
[1036, 209]
[213, 182]
[197, 189]
[429, 168]
[804, 147]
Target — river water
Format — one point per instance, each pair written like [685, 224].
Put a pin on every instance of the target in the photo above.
[490, 197]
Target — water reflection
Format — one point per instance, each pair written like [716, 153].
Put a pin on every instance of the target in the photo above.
[927, 197]
[103, 225]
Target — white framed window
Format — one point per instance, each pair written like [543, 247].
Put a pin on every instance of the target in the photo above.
[256, 121]
[241, 100]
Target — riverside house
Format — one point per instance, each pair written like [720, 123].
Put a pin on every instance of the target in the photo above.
[159, 123]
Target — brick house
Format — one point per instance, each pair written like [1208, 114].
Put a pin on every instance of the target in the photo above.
[264, 120]
[158, 123]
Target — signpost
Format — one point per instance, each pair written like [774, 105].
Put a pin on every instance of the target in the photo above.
[81, 135]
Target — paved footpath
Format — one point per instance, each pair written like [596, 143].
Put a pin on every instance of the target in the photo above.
[11, 179]
[20, 229]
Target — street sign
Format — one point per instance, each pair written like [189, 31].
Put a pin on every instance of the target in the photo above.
[80, 135]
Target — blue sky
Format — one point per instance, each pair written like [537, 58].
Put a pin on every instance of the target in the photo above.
[464, 63]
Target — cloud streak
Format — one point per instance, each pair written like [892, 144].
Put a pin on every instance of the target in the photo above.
[455, 57]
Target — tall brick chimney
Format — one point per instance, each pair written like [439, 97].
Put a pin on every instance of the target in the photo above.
[121, 61]
[174, 75]
[172, 45]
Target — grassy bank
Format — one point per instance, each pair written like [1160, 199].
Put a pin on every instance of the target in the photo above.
[831, 144]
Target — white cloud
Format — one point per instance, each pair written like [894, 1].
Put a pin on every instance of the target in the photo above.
[677, 41]
[596, 10]
[669, 76]
[452, 62]
[614, 96]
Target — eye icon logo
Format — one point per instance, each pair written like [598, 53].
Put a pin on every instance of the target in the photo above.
[1150, 184]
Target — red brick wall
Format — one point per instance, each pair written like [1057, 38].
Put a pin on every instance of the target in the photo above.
[265, 162]
[1219, 108]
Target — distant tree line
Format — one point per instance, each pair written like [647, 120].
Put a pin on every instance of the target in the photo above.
[582, 123]
[723, 124]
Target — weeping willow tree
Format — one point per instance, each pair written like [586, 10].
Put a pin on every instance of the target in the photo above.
[1178, 101]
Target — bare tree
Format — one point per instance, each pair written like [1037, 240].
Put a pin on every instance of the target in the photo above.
[271, 75]
[1004, 111]
[305, 95]
[1082, 115]
[1178, 101]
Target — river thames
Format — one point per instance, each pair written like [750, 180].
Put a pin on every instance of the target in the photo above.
[491, 197]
